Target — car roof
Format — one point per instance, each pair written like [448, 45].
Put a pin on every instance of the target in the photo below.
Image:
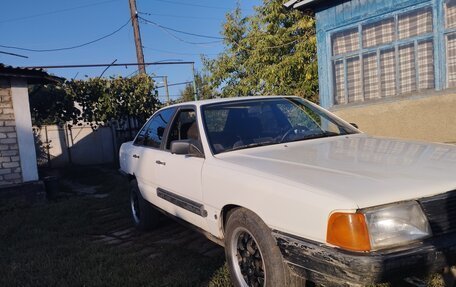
[225, 100]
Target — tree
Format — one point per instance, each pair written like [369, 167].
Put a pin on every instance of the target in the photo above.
[203, 87]
[95, 101]
[50, 104]
[271, 52]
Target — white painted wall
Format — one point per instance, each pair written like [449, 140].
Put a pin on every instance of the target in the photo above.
[81, 146]
[21, 105]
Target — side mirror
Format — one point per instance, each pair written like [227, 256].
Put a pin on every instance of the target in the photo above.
[180, 147]
[185, 147]
[355, 125]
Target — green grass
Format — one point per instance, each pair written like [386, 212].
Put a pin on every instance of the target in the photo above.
[53, 245]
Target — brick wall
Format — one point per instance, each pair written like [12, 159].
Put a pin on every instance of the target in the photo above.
[10, 166]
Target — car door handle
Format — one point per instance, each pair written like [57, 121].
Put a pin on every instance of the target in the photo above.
[160, 162]
[136, 156]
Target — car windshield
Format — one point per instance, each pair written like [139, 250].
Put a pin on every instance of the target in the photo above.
[246, 124]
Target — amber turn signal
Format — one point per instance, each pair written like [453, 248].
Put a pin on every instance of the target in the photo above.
[348, 231]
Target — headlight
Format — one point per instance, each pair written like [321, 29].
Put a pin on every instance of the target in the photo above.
[379, 227]
[396, 224]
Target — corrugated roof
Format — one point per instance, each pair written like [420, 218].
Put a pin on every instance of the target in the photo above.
[300, 4]
[33, 76]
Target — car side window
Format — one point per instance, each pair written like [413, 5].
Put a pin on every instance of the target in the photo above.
[184, 127]
[152, 133]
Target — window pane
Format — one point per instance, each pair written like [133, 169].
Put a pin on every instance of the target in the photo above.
[339, 85]
[184, 127]
[378, 33]
[450, 14]
[370, 71]
[354, 80]
[415, 23]
[388, 73]
[157, 126]
[451, 60]
[141, 135]
[407, 74]
[426, 65]
[345, 42]
[216, 120]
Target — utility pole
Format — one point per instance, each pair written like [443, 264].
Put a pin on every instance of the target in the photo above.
[165, 82]
[195, 91]
[137, 35]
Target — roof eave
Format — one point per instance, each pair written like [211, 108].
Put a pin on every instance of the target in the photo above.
[296, 4]
[34, 79]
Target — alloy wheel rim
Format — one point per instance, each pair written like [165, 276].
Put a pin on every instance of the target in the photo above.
[247, 259]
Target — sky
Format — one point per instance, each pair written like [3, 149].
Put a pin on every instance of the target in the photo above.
[51, 24]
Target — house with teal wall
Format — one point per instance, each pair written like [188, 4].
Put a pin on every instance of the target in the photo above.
[375, 55]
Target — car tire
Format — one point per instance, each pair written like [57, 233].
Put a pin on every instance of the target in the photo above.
[248, 240]
[145, 216]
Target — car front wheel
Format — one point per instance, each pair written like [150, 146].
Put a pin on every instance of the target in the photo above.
[145, 216]
[252, 254]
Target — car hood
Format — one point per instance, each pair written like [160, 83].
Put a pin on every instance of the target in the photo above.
[366, 170]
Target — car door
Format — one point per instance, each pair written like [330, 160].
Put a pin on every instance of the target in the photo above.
[179, 176]
[146, 151]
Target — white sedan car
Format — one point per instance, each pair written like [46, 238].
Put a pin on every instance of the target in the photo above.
[293, 192]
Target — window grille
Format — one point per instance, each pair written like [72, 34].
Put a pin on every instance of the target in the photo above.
[345, 42]
[415, 23]
[388, 73]
[378, 33]
[370, 74]
[450, 39]
[384, 58]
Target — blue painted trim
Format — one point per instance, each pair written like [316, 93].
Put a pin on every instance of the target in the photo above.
[417, 70]
[324, 69]
[396, 56]
[330, 75]
[345, 80]
[361, 60]
[436, 7]
[379, 76]
[377, 11]
[440, 55]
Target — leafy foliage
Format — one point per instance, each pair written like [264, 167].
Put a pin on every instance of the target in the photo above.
[104, 100]
[96, 101]
[50, 104]
[203, 87]
[270, 52]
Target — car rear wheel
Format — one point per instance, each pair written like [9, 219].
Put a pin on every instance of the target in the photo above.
[252, 254]
[145, 216]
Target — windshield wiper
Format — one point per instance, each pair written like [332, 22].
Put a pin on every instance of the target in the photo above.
[252, 145]
[315, 136]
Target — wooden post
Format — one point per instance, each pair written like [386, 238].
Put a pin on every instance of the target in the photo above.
[137, 35]
[165, 81]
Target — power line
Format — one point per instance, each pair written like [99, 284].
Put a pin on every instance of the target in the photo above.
[56, 11]
[177, 53]
[105, 65]
[179, 38]
[179, 16]
[168, 29]
[179, 31]
[13, 54]
[192, 5]
[67, 48]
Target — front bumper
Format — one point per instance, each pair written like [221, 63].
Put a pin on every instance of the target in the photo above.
[335, 267]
